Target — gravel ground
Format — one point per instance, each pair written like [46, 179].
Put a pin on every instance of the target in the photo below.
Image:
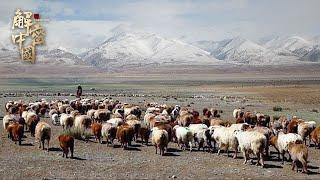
[93, 160]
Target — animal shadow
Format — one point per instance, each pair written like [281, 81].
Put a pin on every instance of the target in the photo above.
[269, 166]
[78, 158]
[55, 149]
[170, 154]
[173, 150]
[26, 144]
[130, 148]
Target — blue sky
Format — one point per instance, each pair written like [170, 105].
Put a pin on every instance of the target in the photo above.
[191, 20]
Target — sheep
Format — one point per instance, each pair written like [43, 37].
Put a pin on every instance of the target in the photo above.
[102, 115]
[267, 133]
[136, 125]
[236, 113]
[145, 133]
[203, 136]
[82, 122]
[96, 131]
[6, 121]
[148, 117]
[281, 142]
[166, 127]
[304, 130]
[298, 153]
[116, 121]
[251, 141]
[90, 113]
[109, 132]
[124, 135]
[292, 127]
[31, 121]
[160, 140]
[42, 133]
[55, 119]
[66, 121]
[225, 138]
[185, 119]
[15, 132]
[184, 137]
[66, 143]
[315, 137]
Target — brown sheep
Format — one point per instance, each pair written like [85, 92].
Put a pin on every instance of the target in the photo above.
[293, 126]
[144, 134]
[136, 125]
[298, 153]
[17, 132]
[32, 121]
[96, 130]
[125, 135]
[250, 118]
[315, 137]
[66, 143]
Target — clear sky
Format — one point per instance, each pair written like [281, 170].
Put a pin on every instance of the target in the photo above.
[189, 20]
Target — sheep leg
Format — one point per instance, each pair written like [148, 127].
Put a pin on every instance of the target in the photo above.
[48, 144]
[282, 154]
[293, 165]
[40, 144]
[20, 138]
[156, 149]
[235, 153]
[245, 157]
[262, 160]
[71, 150]
[304, 168]
[190, 145]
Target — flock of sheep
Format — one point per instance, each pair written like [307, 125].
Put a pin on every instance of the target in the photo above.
[111, 119]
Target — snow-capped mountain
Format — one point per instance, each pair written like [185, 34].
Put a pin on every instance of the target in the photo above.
[58, 56]
[313, 55]
[290, 46]
[135, 48]
[239, 50]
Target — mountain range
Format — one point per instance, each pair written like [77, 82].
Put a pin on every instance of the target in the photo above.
[131, 48]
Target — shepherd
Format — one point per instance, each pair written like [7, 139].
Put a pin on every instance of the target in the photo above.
[79, 91]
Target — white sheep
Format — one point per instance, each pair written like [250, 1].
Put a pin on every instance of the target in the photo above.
[42, 133]
[66, 121]
[115, 121]
[109, 132]
[236, 113]
[6, 120]
[55, 119]
[281, 142]
[160, 139]
[251, 141]
[91, 112]
[82, 122]
[305, 129]
[184, 136]
[226, 139]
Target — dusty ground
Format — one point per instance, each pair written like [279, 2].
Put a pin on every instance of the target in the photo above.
[298, 96]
